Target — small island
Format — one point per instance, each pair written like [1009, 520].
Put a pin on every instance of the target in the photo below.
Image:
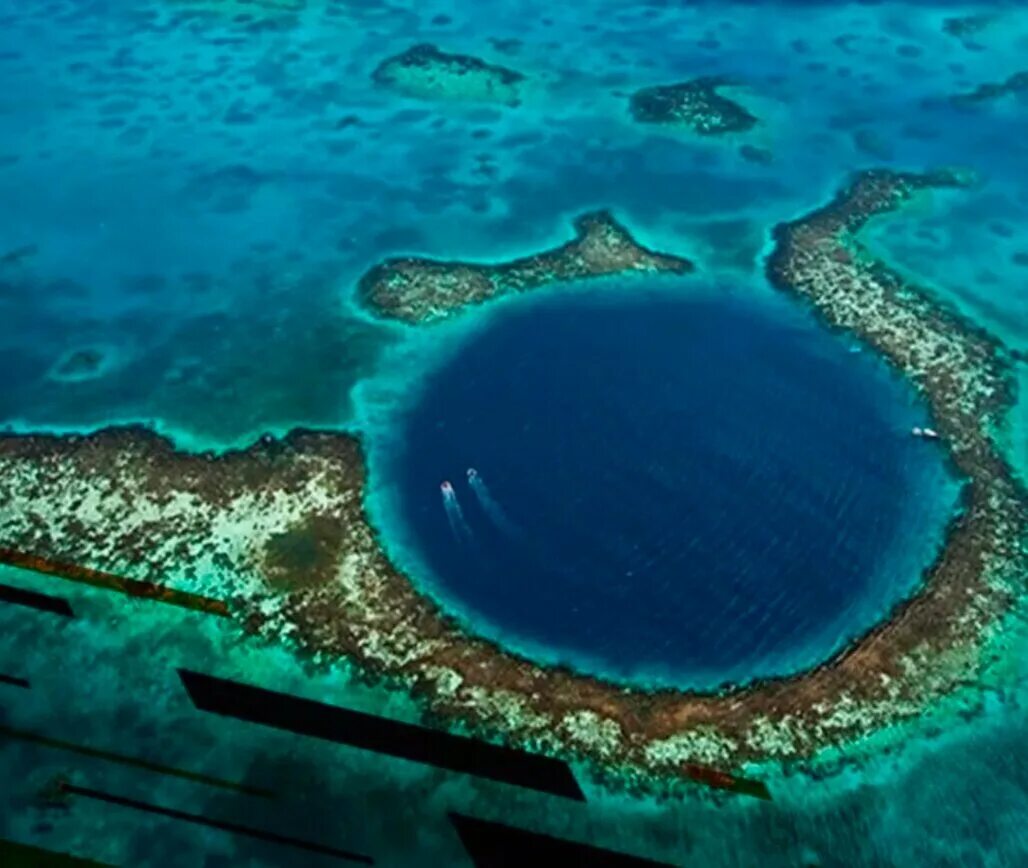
[695, 104]
[424, 290]
[425, 72]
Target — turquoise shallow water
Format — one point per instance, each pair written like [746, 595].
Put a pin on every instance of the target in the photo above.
[195, 188]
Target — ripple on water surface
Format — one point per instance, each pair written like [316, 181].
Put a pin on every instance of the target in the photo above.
[685, 488]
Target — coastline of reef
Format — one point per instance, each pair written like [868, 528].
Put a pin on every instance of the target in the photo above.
[417, 291]
[696, 104]
[426, 72]
[281, 527]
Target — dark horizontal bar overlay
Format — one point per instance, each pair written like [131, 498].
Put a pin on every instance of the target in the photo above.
[135, 762]
[380, 734]
[23, 856]
[14, 681]
[495, 845]
[111, 582]
[43, 602]
[200, 820]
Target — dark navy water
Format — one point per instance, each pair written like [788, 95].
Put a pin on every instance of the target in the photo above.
[690, 487]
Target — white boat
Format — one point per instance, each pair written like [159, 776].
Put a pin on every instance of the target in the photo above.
[927, 433]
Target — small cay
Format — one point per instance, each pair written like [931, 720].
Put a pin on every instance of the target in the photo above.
[695, 104]
[425, 72]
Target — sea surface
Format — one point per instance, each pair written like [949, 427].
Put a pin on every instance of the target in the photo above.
[647, 481]
[190, 190]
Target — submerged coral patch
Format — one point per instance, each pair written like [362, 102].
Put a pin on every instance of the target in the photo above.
[1014, 85]
[426, 72]
[696, 104]
[83, 363]
[965, 26]
[305, 554]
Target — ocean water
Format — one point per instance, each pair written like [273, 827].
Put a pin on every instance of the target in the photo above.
[192, 189]
[648, 479]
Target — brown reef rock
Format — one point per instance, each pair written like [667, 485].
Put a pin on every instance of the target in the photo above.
[696, 104]
[423, 290]
[426, 72]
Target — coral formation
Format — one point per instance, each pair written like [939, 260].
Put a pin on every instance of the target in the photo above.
[426, 72]
[696, 104]
[421, 290]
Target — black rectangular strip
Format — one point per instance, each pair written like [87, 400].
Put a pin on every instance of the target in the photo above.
[382, 735]
[261, 834]
[494, 845]
[34, 600]
[13, 681]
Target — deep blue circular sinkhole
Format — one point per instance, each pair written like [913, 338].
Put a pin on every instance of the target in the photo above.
[673, 488]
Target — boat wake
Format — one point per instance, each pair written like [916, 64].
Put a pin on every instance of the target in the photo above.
[454, 513]
[490, 506]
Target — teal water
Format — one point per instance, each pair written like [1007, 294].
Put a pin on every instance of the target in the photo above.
[196, 186]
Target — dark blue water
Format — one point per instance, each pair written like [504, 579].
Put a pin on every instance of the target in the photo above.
[685, 487]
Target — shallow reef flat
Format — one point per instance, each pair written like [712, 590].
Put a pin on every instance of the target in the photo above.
[280, 531]
[696, 104]
[124, 499]
[422, 290]
[426, 72]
